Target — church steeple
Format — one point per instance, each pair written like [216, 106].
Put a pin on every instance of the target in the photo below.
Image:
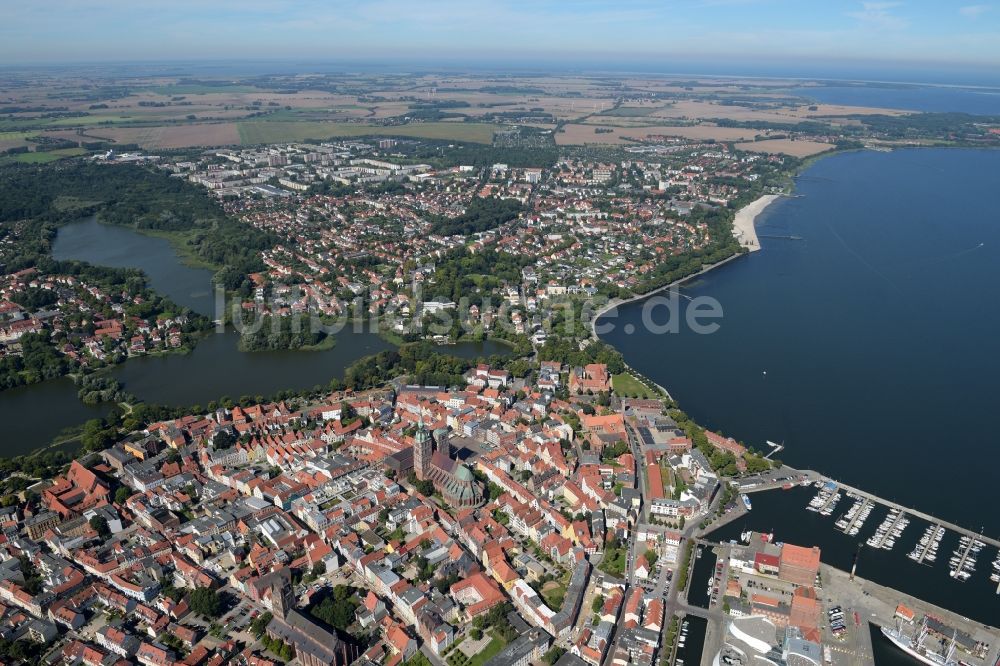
[423, 449]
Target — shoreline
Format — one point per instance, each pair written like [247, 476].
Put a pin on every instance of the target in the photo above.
[748, 212]
[745, 218]
[744, 229]
[615, 302]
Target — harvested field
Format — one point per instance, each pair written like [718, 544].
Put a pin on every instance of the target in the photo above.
[701, 110]
[584, 134]
[173, 136]
[277, 132]
[786, 147]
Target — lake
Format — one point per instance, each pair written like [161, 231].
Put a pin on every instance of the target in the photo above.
[34, 415]
[870, 347]
[120, 247]
[215, 368]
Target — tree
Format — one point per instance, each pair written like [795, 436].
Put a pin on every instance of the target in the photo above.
[475, 633]
[553, 655]
[100, 525]
[96, 435]
[205, 602]
[424, 486]
[337, 609]
[259, 625]
[122, 494]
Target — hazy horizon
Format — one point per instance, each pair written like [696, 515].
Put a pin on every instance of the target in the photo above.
[874, 73]
[915, 41]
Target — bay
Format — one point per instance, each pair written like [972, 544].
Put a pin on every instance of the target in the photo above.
[869, 347]
[926, 99]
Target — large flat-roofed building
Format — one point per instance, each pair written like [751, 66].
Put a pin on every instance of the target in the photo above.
[799, 565]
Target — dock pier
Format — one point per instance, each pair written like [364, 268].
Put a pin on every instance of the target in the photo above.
[830, 502]
[922, 515]
[930, 542]
[865, 503]
[964, 557]
[889, 532]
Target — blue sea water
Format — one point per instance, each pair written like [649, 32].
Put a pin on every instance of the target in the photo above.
[878, 331]
[931, 99]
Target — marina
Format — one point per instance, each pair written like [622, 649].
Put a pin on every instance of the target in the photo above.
[916, 565]
[967, 543]
[963, 560]
[890, 530]
[826, 499]
[927, 549]
[852, 521]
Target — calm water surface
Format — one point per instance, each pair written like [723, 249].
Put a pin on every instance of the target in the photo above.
[694, 643]
[929, 99]
[121, 247]
[879, 331]
[36, 414]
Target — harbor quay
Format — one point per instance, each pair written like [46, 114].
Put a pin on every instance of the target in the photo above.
[866, 607]
[878, 605]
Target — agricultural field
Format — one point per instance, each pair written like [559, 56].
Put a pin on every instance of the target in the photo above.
[795, 148]
[15, 139]
[163, 113]
[252, 133]
[580, 134]
[173, 136]
[42, 157]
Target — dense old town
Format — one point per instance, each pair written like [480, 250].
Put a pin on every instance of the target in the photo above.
[548, 505]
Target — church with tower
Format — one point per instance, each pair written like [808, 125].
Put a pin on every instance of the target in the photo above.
[453, 479]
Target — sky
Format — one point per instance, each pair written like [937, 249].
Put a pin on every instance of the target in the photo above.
[666, 34]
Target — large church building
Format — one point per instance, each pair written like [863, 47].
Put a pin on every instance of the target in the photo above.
[453, 479]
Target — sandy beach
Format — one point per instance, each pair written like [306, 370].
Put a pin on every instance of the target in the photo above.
[743, 223]
[743, 230]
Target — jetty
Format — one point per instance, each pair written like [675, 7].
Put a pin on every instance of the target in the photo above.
[860, 514]
[751, 486]
[781, 237]
[963, 562]
[885, 537]
[922, 515]
[831, 502]
[932, 537]
[775, 448]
